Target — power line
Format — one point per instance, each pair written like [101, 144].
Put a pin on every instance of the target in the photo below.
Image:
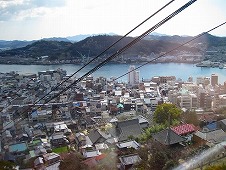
[99, 55]
[106, 49]
[129, 45]
[196, 37]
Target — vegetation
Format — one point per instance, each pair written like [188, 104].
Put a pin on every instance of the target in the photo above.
[61, 149]
[90, 47]
[72, 161]
[156, 157]
[190, 117]
[166, 112]
[6, 165]
[149, 131]
[216, 167]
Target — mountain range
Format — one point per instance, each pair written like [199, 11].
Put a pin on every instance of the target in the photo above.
[91, 46]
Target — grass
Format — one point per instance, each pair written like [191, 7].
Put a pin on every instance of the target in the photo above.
[60, 149]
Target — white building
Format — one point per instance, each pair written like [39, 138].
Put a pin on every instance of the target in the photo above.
[133, 76]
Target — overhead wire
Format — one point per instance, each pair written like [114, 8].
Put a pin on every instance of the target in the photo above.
[103, 52]
[125, 47]
[162, 55]
[95, 58]
[196, 37]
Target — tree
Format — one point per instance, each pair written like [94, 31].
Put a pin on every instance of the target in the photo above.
[216, 167]
[165, 111]
[149, 131]
[156, 157]
[72, 161]
[190, 117]
[6, 165]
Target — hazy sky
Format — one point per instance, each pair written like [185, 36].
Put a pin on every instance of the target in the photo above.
[36, 19]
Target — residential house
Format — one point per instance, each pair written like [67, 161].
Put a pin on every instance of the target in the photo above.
[92, 153]
[221, 124]
[128, 128]
[168, 137]
[51, 158]
[128, 144]
[58, 139]
[144, 123]
[127, 161]
[80, 139]
[184, 129]
[96, 136]
[213, 137]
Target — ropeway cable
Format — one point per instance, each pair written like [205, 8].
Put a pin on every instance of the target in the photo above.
[36, 102]
[95, 58]
[125, 47]
[200, 35]
[172, 50]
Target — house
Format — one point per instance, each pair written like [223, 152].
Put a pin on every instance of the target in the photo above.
[221, 124]
[18, 148]
[80, 139]
[23, 137]
[93, 161]
[127, 161]
[39, 163]
[142, 121]
[92, 153]
[101, 146]
[59, 127]
[97, 136]
[184, 129]
[128, 128]
[58, 139]
[47, 162]
[128, 144]
[211, 126]
[51, 158]
[168, 137]
[214, 137]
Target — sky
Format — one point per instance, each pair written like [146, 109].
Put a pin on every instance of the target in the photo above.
[37, 19]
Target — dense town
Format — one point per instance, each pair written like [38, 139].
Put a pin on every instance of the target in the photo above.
[100, 123]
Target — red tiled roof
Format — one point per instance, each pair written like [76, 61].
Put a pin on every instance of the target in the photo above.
[183, 129]
[100, 157]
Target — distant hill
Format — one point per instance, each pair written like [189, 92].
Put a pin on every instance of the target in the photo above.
[80, 37]
[56, 39]
[6, 45]
[204, 42]
[39, 48]
[91, 46]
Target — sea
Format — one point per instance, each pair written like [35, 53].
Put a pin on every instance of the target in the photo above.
[181, 71]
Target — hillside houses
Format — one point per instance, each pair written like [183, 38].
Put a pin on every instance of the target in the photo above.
[98, 116]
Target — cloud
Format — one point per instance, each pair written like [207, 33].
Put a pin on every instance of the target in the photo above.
[22, 9]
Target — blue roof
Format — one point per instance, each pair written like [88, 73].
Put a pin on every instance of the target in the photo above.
[212, 126]
[19, 147]
[34, 114]
[76, 104]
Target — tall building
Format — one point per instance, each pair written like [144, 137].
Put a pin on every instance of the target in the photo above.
[133, 76]
[214, 79]
[206, 81]
[225, 87]
[199, 80]
[190, 79]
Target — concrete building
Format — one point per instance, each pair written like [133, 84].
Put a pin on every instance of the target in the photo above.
[214, 79]
[133, 76]
[200, 80]
[204, 100]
